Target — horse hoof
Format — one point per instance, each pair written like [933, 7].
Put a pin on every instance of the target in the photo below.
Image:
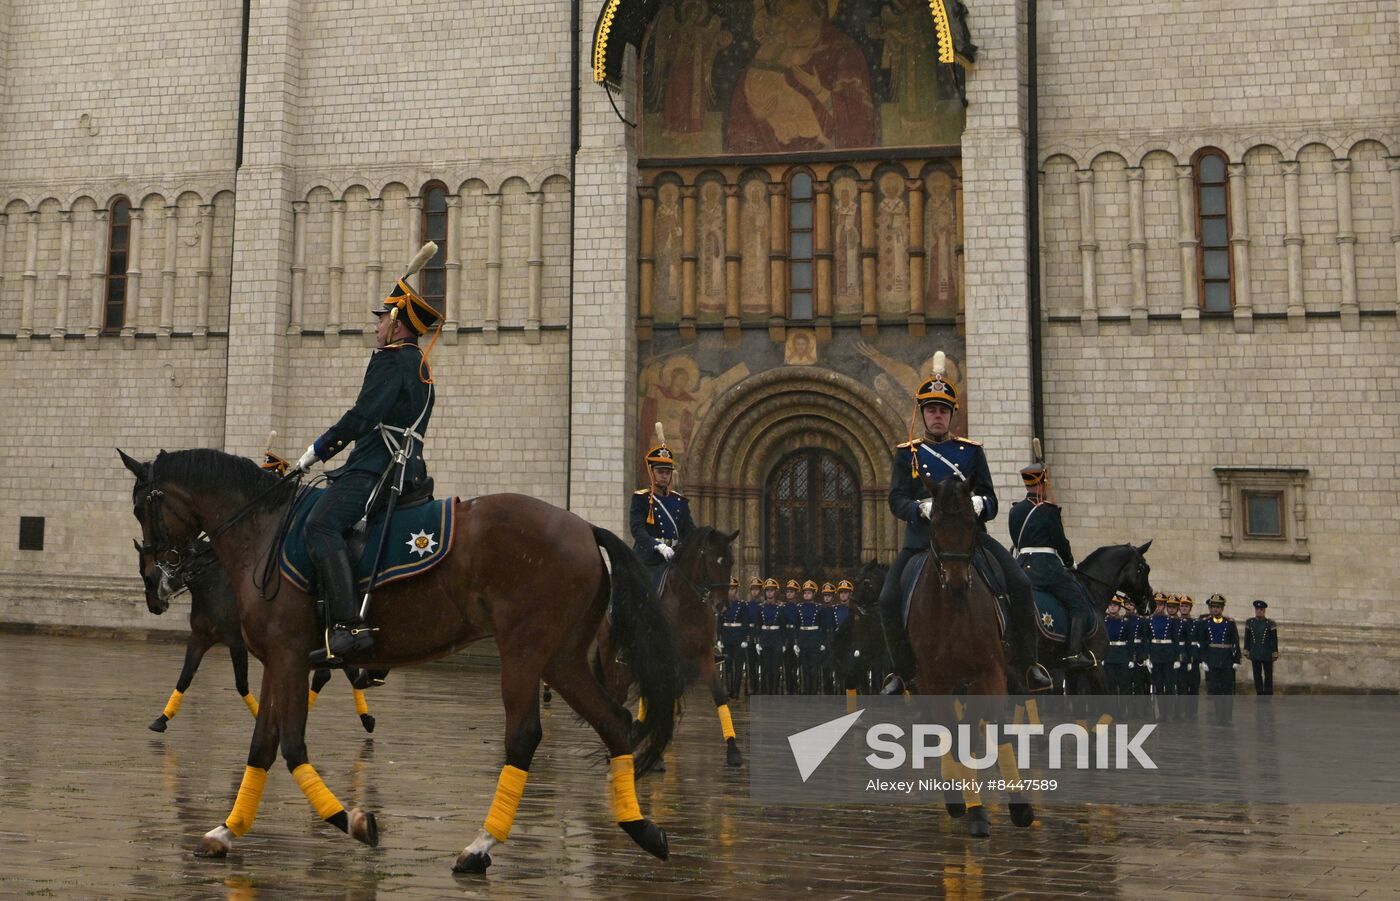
[956, 810]
[548, 696]
[474, 863]
[732, 757]
[158, 724]
[367, 721]
[651, 837]
[977, 823]
[215, 843]
[364, 827]
[1022, 814]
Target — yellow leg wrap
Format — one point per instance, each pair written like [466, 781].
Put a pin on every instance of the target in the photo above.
[1105, 719]
[1033, 712]
[325, 803]
[1006, 762]
[624, 789]
[245, 807]
[362, 706]
[252, 704]
[311, 697]
[850, 692]
[509, 788]
[641, 710]
[172, 706]
[726, 722]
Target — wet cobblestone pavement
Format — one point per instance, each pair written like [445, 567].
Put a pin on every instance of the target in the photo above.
[96, 806]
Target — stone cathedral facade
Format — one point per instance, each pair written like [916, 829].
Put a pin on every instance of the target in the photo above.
[759, 235]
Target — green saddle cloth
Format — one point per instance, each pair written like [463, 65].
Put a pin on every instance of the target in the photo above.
[419, 539]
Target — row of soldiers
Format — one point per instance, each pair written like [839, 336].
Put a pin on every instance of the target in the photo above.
[782, 644]
[1168, 652]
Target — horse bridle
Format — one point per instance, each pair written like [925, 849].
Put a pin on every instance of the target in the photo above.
[1112, 588]
[964, 557]
[701, 591]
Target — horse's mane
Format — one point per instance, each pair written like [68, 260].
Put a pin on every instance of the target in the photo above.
[205, 470]
[695, 539]
[1098, 553]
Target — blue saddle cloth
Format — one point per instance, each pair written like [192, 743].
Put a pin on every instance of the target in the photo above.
[981, 567]
[419, 539]
[1053, 620]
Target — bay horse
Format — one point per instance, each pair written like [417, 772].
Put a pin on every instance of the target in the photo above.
[954, 631]
[695, 591]
[859, 655]
[522, 571]
[213, 620]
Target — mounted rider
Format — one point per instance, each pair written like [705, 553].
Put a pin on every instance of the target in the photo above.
[387, 425]
[937, 456]
[1039, 544]
[659, 517]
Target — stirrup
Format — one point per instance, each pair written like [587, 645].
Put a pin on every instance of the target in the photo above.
[324, 656]
[1038, 668]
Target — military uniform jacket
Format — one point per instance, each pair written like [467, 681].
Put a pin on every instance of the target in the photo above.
[1220, 642]
[1260, 639]
[1187, 648]
[670, 514]
[936, 462]
[392, 394]
[1140, 637]
[1162, 639]
[1035, 524]
[1120, 640]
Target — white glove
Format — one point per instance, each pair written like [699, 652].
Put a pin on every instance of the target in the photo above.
[307, 459]
[1131, 664]
[743, 644]
[978, 503]
[1176, 664]
[823, 648]
[926, 508]
[719, 647]
[665, 550]
[1148, 664]
[1234, 666]
[1205, 667]
[856, 654]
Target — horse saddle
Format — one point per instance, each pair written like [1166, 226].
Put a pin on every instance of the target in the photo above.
[983, 567]
[1053, 620]
[419, 537]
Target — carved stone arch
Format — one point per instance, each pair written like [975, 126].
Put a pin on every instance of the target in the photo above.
[765, 417]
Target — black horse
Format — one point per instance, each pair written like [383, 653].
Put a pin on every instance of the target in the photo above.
[858, 653]
[213, 620]
[1109, 569]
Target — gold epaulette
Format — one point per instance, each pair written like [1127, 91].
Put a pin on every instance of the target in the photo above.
[912, 443]
[642, 491]
[967, 440]
[678, 494]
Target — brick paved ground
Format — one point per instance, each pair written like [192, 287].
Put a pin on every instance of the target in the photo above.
[95, 805]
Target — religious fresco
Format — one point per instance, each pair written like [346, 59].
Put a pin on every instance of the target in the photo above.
[786, 76]
[680, 382]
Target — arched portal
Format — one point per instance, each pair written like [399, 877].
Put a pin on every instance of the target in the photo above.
[811, 517]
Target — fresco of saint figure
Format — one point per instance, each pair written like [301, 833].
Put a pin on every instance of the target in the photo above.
[682, 86]
[806, 88]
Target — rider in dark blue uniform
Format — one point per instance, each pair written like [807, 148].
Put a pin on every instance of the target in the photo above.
[387, 422]
[1039, 543]
[937, 456]
[659, 518]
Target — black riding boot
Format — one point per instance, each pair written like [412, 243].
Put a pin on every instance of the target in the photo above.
[346, 633]
[1077, 659]
[902, 662]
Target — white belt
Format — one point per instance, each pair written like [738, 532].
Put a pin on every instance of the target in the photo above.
[772, 627]
[1117, 644]
[809, 628]
[1163, 641]
[1037, 550]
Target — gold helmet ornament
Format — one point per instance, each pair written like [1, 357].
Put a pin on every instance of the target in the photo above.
[407, 306]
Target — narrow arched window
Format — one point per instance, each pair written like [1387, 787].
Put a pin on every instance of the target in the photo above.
[800, 246]
[432, 282]
[1213, 231]
[118, 240]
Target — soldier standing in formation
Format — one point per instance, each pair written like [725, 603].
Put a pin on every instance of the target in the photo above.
[1118, 661]
[1189, 678]
[1162, 653]
[1220, 644]
[770, 639]
[1261, 643]
[733, 640]
[809, 641]
[753, 615]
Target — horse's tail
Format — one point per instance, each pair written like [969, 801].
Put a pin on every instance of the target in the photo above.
[648, 641]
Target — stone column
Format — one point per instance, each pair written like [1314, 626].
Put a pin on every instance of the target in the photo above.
[777, 261]
[1239, 246]
[916, 256]
[821, 211]
[1392, 165]
[1137, 251]
[1346, 246]
[335, 313]
[412, 229]
[97, 310]
[491, 333]
[131, 321]
[689, 271]
[65, 278]
[733, 268]
[602, 407]
[374, 269]
[535, 265]
[1293, 246]
[869, 309]
[30, 279]
[295, 323]
[166, 326]
[1088, 252]
[1188, 242]
[452, 301]
[998, 363]
[262, 249]
[646, 263]
[204, 274]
